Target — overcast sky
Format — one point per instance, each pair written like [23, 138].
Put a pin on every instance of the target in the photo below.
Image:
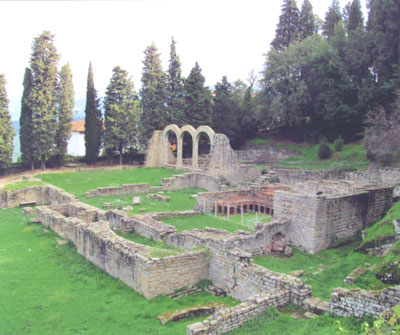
[226, 37]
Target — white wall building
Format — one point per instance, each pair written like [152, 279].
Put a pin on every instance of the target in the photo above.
[76, 144]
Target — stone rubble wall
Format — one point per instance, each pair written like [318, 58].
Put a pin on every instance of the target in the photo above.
[230, 318]
[42, 195]
[357, 302]
[261, 154]
[112, 191]
[128, 261]
[154, 148]
[191, 180]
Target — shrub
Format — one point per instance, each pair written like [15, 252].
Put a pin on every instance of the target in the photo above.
[264, 171]
[338, 144]
[324, 151]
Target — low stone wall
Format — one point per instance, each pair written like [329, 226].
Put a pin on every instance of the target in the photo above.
[357, 302]
[41, 195]
[191, 180]
[169, 215]
[227, 319]
[118, 190]
[128, 261]
[143, 225]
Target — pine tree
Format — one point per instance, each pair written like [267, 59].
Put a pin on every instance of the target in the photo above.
[43, 101]
[65, 111]
[153, 93]
[332, 17]
[122, 112]
[287, 29]
[307, 26]
[93, 121]
[355, 19]
[197, 101]
[6, 129]
[175, 88]
[25, 121]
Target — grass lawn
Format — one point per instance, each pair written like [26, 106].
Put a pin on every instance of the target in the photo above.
[324, 270]
[202, 221]
[46, 289]
[180, 201]
[352, 157]
[79, 183]
[273, 322]
[22, 184]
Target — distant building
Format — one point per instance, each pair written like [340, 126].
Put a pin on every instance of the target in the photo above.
[76, 144]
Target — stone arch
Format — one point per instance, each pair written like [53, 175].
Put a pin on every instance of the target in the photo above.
[185, 129]
[165, 143]
[200, 130]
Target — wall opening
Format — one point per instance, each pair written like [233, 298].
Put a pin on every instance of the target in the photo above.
[172, 147]
[187, 148]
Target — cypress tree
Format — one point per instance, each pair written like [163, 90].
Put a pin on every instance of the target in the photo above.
[93, 121]
[65, 110]
[307, 26]
[287, 29]
[6, 129]
[197, 100]
[332, 17]
[25, 121]
[175, 88]
[355, 19]
[153, 93]
[121, 106]
[43, 100]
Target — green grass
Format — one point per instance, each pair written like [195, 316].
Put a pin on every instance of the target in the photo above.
[352, 157]
[273, 322]
[202, 221]
[46, 289]
[79, 183]
[324, 270]
[22, 184]
[180, 201]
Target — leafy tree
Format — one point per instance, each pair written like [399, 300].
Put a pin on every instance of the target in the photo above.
[287, 29]
[121, 106]
[307, 24]
[93, 121]
[6, 129]
[25, 121]
[332, 17]
[175, 88]
[65, 111]
[354, 18]
[43, 99]
[197, 100]
[153, 93]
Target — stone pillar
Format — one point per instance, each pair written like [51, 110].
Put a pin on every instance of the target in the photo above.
[195, 152]
[179, 152]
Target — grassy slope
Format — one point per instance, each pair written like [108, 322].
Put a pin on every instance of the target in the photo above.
[336, 264]
[22, 184]
[180, 201]
[79, 183]
[46, 289]
[353, 156]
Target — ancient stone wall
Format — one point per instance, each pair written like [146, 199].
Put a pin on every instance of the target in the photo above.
[111, 191]
[227, 319]
[154, 150]
[41, 195]
[261, 154]
[357, 302]
[191, 180]
[128, 261]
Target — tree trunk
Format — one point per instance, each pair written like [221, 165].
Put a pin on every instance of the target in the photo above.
[120, 157]
[43, 163]
[32, 165]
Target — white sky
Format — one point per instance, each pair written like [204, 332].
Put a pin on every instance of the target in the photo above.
[226, 37]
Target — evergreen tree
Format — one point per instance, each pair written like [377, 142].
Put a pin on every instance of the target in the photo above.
[25, 122]
[43, 100]
[197, 100]
[65, 111]
[307, 25]
[121, 106]
[175, 88]
[6, 129]
[355, 19]
[153, 93]
[93, 121]
[332, 17]
[287, 29]
[383, 28]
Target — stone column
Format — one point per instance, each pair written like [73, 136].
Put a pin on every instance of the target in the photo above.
[179, 152]
[195, 152]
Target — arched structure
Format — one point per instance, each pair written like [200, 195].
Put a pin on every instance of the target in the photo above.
[179, 132]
